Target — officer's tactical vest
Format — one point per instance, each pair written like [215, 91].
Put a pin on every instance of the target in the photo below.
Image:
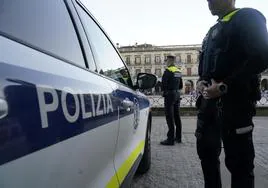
[215, 47]
[176, 74]
[219, 56]
[174, 70]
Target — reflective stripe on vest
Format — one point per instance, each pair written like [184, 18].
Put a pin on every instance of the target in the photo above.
[174, 69]
[229, 16]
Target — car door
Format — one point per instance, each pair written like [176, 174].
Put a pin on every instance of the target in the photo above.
[60, 121]
[111, 66]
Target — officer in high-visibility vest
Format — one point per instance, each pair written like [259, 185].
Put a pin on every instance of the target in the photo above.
[171, 85]
[124, 77]
[234, 53]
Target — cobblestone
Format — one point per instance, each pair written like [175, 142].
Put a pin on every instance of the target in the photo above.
[179, 166]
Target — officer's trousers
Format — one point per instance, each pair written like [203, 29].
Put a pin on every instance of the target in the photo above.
[238, 148]
[172, 105]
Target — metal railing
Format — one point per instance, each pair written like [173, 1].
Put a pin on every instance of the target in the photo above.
[189, 101]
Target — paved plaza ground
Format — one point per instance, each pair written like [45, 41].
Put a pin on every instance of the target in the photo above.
[179, 167]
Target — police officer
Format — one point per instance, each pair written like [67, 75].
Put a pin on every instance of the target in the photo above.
[171, 85]
[124, 77]
[234, 53]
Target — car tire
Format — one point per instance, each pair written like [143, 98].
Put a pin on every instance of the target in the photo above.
[145, 163]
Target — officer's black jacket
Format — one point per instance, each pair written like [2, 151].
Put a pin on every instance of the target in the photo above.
[171, 80]
[235, 50]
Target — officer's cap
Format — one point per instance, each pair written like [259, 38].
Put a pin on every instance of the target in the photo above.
[171, 57]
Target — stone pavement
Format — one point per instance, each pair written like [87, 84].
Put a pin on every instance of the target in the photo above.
[179, 167]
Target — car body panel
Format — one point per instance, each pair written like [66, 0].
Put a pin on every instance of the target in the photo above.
[27, 135]
[61, 123]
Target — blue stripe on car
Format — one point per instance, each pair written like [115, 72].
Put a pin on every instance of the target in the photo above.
[21, 132]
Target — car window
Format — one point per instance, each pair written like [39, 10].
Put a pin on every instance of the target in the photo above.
[108, 61]
[45, 25]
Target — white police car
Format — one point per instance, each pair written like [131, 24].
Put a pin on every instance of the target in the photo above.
[69, 113]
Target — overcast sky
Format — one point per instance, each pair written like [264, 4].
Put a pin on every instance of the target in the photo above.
[159, 22]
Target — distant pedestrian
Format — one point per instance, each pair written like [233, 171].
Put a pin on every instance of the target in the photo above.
[158, 88]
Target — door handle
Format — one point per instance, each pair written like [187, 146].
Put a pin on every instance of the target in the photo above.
[127, 104]
[3, 108]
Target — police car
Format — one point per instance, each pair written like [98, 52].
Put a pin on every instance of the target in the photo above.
[70, 114]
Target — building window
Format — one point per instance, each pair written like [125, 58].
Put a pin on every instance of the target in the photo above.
[147, 59]
[157, 59]
[189, 58]
[148, 71]
[137, 59]
[158, 72]
[128, 60]
[178, 58]
[189, 71]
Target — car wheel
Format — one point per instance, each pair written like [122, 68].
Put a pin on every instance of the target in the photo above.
[145, 163]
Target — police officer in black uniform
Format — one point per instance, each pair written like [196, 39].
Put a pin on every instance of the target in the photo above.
[171, 85]
[234, 53]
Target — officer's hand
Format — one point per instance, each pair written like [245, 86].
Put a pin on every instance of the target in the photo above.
[212, 91]
[201, 85]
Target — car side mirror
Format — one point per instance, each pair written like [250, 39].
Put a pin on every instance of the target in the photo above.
[145, 81]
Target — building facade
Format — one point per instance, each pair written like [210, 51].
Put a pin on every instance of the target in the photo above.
[149, 58]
